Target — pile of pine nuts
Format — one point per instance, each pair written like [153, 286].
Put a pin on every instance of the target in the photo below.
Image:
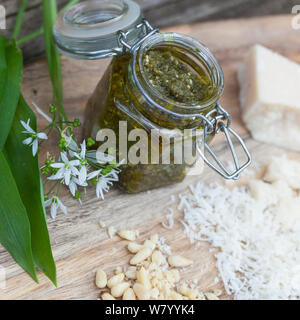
[150, 276]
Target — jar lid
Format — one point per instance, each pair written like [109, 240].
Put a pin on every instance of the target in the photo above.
[90, 30]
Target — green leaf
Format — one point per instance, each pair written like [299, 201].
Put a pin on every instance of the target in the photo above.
[11, 66]
[14, 224]
[25, 169]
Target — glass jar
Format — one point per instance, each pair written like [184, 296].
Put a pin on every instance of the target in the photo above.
[172, 96]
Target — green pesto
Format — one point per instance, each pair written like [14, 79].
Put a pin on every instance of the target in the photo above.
[103, 113]
[172, 76]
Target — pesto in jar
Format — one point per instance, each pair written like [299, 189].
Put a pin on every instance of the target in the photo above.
[171, 75]
[175, 78]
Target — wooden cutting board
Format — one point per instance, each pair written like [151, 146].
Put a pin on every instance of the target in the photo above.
[79, 245]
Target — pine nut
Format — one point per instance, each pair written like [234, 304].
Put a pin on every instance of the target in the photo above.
[193, 294]
[171, 276]
[101, 224]
[107, 296]
[131, 275]
[149, 244]
[201, 296]
[134, 247]
[143, 278]
[111, 231]
[176, 275]
[114, 280]
[127, 234]
[152, 266]
[175, 295]
[178, 261]
[217, 292]
[141, 292]
[211, 296]
[154, 293]
[141, 256]
[118, 270]
[101, 279]
[146, 264]
[166, 289]
[158, 258]
[118, 290]
[184, 290]
[154, 238]
[129, 294]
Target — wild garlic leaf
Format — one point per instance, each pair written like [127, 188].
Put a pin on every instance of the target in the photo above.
[14, 223]
[25, 169]
[11, 67]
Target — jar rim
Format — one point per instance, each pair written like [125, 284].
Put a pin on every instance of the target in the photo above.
[191, 46]
[89, 29]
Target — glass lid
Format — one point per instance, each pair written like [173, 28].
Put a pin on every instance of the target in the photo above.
[89, 30]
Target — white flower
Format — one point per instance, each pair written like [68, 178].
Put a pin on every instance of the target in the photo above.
[55, 204]
[67, 168]
[83, 163]
[74, 182]
[71, 144]
[34, 136]
[103, 182]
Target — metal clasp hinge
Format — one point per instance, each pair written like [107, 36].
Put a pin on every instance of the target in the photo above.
[146, 29]
[219, 119]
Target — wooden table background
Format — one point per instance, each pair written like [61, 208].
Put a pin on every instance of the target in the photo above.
[79, 245]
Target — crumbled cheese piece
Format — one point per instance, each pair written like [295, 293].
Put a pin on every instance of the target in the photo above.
[284, 169]
[270, 193]
[163, 246]
[169, 224]
[270, 97]
[288, 212]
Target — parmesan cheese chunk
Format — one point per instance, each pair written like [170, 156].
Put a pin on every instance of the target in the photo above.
[268, 193]
[288, 213]
[270, 97]
[283, 169]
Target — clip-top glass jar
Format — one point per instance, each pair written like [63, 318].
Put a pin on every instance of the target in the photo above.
[162, 82]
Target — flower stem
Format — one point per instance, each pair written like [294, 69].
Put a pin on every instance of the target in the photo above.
[58, 189]
[52, 188]
[19, 19]
[31, 36]
[40, 31]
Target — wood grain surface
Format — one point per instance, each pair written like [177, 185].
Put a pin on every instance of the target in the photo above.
[161, 13]
[79, 245]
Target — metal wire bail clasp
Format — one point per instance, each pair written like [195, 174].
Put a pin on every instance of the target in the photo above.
[146, 31]
[219, 119]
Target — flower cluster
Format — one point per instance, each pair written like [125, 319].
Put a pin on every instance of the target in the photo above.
[76, 166]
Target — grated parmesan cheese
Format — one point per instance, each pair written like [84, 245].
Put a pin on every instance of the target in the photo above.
[163, 246]
[169, 224]
[259, 241]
